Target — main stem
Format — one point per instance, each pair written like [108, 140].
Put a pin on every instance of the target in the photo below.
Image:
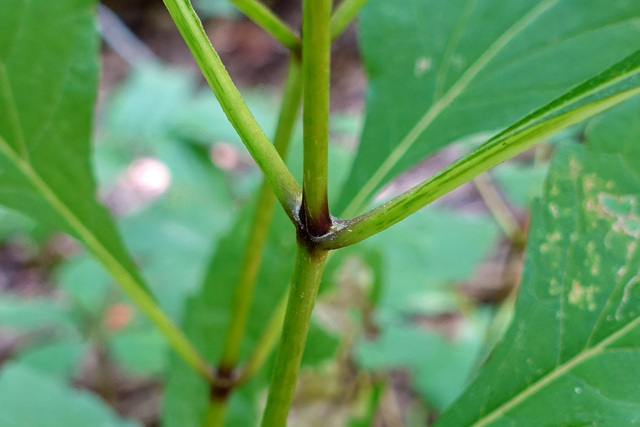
[262, 218]
[316, 50]
[305, 282]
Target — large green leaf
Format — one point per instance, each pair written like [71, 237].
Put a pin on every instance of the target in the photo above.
[29, 398]
[440, 71]
[570, 354]
[48, 74]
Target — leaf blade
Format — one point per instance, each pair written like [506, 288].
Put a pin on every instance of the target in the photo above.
[577, 295]
[509, 58]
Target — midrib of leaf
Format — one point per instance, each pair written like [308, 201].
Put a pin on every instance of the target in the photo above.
[437, 108]
[131, 285]
[555, 374]
[13, 111]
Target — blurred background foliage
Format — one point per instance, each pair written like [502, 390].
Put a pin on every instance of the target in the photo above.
[398, 328]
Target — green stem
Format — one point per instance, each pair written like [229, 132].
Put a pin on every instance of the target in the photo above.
[264, 153]
[265, 18]
[488, 155]
[216, 412]
[130, 283]
[304, 288]
[243, 294]
[316, 46]
[265, 345]
[499, 209]
[344, 14]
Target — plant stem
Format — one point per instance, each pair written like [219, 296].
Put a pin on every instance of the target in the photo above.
[243, 293]
[216, 412]
[304, 288]
[265, 18]
[488, 155]
[265, 345]
[316, 52]
[264, 153]
[344, 14]
[130, 282]
[499, 209]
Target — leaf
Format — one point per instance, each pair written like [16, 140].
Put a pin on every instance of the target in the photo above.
[141, 352]
[457, 68]
[87, 283]
[418, 273]
[29, 398]
[575, 337]
[520, 183]
[34, 314]
[157, 114]
[48, 79]
[60, 359]
[207, 315]
[439, 365]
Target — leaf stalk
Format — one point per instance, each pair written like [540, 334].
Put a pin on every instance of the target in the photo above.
[264, 153]
[267, 20]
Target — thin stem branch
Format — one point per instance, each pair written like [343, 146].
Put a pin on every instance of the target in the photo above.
[130, 282]
[264, 153]
[305, 283]
[488, 155]
[499, 209]
[216, 413]
[243, 293]
[344, 14]
[266, 344]
[316, 52]
[265, 18]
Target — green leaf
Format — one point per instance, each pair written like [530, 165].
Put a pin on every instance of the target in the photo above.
[575, 337]
[207, 316]
[457, 68]
[439, 365]
[60, 359]
[48, 79]
[417, 273]
[87, 283]
[142, 352]
[520, 183]
[34, 314]
[29, 398]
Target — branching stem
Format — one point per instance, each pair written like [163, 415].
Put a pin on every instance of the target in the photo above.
[265, 18]
[344, 14]
[243, 293]
[316, 47]
[264, 153]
